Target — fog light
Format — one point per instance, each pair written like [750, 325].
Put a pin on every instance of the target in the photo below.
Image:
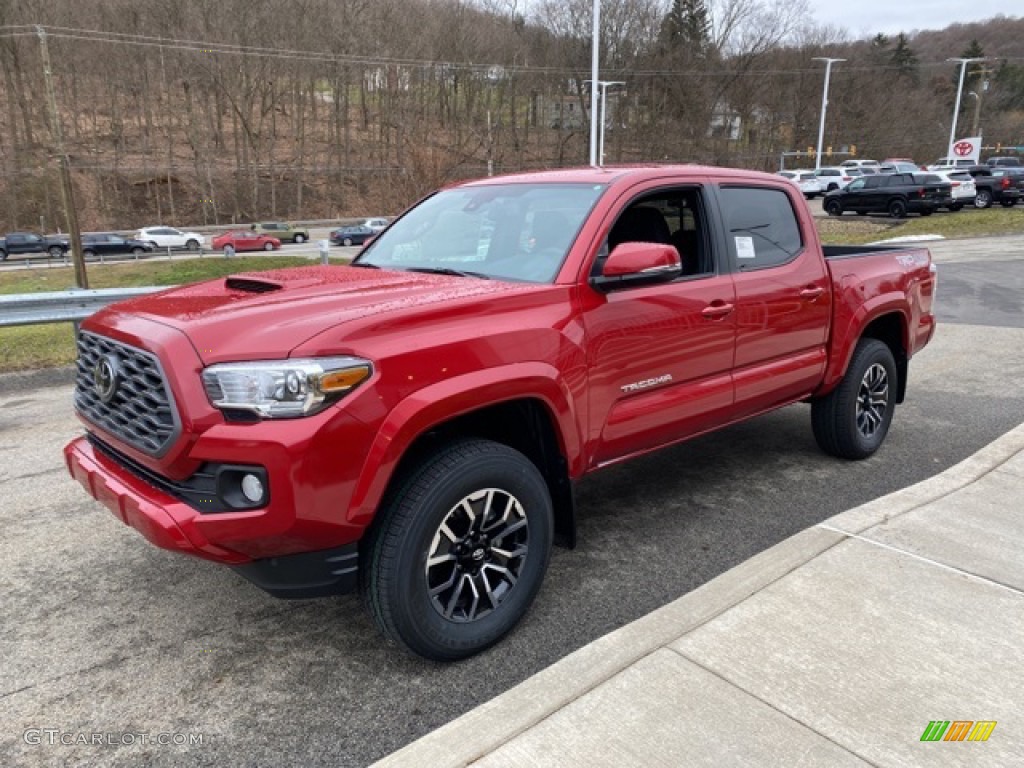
[252, 488]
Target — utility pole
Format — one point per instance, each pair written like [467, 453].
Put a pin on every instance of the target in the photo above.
[67, 190]
[602, 87]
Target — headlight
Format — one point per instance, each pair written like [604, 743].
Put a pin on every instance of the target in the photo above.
[277, 389]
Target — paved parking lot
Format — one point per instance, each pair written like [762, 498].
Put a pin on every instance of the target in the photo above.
[104, 634]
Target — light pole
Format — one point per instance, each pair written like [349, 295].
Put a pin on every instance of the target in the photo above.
[956, 108]
[603, 85]
[824, 106]
[594, 66]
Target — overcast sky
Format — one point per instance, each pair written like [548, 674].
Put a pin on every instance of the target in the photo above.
[866, 18]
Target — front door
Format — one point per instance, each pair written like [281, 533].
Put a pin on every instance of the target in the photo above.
[660, 357]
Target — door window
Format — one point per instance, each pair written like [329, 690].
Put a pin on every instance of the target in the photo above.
[761, 225]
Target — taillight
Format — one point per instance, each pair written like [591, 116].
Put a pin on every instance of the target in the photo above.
[921, 192]
[1005, 183]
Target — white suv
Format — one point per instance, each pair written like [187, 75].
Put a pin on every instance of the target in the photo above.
[859, 163]
[169, 237]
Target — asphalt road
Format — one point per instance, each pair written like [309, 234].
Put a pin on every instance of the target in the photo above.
[102, 633]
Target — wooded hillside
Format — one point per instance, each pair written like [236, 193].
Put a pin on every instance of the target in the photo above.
[215, 111]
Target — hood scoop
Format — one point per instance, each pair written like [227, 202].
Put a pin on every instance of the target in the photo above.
[252, 284]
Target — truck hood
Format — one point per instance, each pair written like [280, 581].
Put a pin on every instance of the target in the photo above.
[265, 315]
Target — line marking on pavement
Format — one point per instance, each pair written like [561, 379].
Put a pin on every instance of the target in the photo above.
[923, 559]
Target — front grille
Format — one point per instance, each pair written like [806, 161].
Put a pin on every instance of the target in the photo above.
[140, 411]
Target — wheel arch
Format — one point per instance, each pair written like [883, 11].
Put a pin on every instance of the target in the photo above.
[539, 422]
[884, 320]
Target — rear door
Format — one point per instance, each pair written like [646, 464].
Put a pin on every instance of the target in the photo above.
[783, 297]
[660, 356]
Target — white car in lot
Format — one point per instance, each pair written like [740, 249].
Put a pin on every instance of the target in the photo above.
[963, 187]
[835, 177]
[809, 184]
[169, 237]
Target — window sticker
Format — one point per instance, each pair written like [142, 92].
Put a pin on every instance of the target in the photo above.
[745, 248]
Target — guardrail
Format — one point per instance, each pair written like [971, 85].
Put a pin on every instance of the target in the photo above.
[63, 306]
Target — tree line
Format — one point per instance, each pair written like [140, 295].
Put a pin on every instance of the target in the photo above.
[222, 111]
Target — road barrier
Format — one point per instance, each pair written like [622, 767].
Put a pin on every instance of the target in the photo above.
[63, 306]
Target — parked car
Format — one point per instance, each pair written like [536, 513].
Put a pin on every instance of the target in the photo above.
[246, 240]
[895, 194]
[834, 177]
[413, 424]
[859, 164]
[110, 244]
[377, 224]
[963, 188]
[809, 184]
[30, 242]
[1010, 182]
[899, 166]
[949, 164]
[169, 237]
[1003, 162]
[283, 231]
[354, 235]
[991, 188]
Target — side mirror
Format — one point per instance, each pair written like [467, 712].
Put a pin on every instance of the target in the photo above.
[632, 264]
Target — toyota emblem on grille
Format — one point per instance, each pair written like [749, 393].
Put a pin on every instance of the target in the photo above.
[105, 377]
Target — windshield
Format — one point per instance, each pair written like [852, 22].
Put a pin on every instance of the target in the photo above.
[505, 231]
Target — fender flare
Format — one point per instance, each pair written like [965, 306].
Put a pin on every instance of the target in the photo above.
[887, 304]
[438, 403]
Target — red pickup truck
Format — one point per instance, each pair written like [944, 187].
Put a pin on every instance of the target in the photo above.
[412, 425]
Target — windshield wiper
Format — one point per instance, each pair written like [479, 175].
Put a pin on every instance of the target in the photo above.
[448, 271]
[365, 264]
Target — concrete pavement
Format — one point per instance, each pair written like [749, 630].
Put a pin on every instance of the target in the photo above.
[838, 646]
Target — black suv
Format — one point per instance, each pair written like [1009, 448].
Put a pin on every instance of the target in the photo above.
[895, 193]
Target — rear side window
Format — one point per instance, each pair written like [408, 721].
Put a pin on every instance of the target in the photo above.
[762, 226]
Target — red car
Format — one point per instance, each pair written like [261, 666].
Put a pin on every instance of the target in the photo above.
[243, 240]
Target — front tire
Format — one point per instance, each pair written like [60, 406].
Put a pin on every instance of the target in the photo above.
[192, 245]
[983, 199]
[347, 241]
[460, 550]
[268, 246]
[851, 422]
[300, 239]
[56, 253]
[834, 208]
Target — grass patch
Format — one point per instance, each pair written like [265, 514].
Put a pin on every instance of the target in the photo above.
[852, 229]
[138, 273]
[36, 346]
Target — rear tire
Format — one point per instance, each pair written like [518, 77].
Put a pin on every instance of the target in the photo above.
[56, 252]
[983, 199]
[851, 422]
[299, 239]
[268, 246]
[1007, 203]
[192, 245]
[88, 255]
[834, 208]
[137, 252]
[459, 550]
[347, 241]
[897, 209]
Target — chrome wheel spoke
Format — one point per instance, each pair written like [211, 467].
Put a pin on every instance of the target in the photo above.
[872, 400]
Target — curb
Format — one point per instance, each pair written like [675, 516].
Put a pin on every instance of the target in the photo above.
[487, 727]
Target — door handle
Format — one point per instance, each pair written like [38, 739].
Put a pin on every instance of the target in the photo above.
[716, 310]
[811, 292]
